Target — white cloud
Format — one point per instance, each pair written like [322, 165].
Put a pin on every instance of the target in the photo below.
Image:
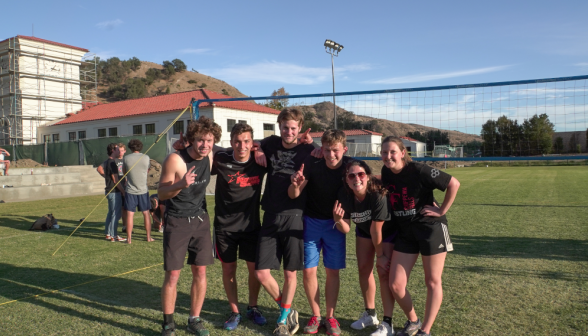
[431, 77]
[195, 51]
[582, 65]
[109, 25]
[281, 72]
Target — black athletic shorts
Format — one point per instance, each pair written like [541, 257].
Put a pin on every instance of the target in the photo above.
[424, 238]
[190, 235]
[226, 245]
[280, 236]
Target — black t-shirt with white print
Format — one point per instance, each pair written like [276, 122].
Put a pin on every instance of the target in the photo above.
[374, 207]
[411, 189]
[238, 190]
[323, 186]
[191, 201]
[282, 163]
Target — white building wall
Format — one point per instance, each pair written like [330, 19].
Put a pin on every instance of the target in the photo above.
[254, 119]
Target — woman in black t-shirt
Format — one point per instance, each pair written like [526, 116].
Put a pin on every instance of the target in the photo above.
[422, 229]
[362, 200]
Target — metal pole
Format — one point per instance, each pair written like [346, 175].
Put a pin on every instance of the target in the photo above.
[334, 105]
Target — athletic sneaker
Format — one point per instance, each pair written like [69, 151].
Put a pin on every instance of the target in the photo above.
[332, 326]
[281, 330]
[384, 329]
[196, 326]
[292, 321]
[108, 237]
[120, 239]
[422, 333]
[410, 328]
[169, 330]
[233, 321]
[255, 315]
[365, 320]
[161, 229]
[313, 325]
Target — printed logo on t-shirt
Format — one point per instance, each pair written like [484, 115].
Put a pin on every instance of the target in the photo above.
[407, 203]
[361, 217]
[242, 180]
[283, 163]
[435, 172]
[119, 165]
[198, 182]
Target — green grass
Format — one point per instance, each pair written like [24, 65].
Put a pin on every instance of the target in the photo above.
[519, 266]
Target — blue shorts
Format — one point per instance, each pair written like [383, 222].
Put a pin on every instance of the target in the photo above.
[321, 234]
[140, 202]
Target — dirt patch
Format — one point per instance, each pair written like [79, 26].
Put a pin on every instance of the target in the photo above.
[153, 175]
[25, 163]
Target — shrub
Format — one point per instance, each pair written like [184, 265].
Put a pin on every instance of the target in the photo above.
[191, 81]
[203, 85]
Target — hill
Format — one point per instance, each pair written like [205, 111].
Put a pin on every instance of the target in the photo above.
[180, 81]
[322, 115]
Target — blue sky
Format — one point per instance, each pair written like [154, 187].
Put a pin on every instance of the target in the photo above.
[259, 46]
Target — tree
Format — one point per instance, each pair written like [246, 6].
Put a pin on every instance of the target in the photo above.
[538, 131]
[168, 69]
[558, 145]
[135, 88]
[179, 66]
[346, 121]
[151, 75]
[167, 90]
[572, 144]
[431, 138]
[225, 92]
[278, 104]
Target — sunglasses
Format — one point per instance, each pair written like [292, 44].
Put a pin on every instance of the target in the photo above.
[351, 176]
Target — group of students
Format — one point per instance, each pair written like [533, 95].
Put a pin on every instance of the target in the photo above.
[125, 195]
[310, 198]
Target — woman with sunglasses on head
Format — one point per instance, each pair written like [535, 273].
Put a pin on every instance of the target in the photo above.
[422, 229]
[363, 200]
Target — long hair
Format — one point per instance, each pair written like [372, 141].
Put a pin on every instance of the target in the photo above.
[374, 185]
[406, 159]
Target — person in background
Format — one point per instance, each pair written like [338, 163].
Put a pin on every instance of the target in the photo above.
[4, 152]
[136, 166]
[113, 195]
[157, 210]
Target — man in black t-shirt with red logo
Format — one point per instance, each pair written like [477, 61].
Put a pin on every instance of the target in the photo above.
[236, 221]
[183, 182]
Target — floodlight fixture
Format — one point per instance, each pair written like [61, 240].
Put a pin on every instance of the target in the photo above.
[333, 48]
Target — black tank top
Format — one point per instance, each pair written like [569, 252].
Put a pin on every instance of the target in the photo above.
[191, 202]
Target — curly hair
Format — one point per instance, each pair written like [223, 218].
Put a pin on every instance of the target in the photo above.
[374, 185]
[135, 145]
[201, 127]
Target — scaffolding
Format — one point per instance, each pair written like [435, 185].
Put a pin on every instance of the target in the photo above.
[41, 82]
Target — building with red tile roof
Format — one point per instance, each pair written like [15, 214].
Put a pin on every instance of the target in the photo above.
[153, 114]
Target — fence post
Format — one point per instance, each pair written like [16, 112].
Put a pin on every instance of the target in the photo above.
[45, 149]
[82, 157]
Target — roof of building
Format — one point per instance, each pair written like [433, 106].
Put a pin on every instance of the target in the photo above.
[36, 39]
[158, 104]
[347, 133]
[410, 139]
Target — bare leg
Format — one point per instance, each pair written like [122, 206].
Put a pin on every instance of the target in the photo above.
[6, 166]
[169, 291]
[198, 290]
[433, 267]
[268, 282]
[289, 287]
[230, 283]
[147, 219]
[312, 291]
[254, 284]
[129, 219]
[365, 252]
[332, 291]
[383, 275]
[400, 268]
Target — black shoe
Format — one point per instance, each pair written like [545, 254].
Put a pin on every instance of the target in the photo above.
[196, 326]
[169, 330]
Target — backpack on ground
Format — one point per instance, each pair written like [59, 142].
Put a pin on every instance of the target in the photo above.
[45, 223]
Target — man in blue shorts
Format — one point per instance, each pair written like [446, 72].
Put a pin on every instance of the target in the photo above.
[321, 179]
[137, 193]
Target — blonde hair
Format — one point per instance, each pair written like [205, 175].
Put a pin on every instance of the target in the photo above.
[331, 137]
[288, 114]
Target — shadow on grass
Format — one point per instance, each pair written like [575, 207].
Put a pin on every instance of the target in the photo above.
[521, 247]
[117, 302]
[525, 205]
[552, 275]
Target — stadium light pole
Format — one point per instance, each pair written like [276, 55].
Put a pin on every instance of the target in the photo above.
[333, 48]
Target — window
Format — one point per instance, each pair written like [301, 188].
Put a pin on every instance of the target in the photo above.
[137, 129]
[72, 136]
[149, 128]
[243, 122]
[179, 127]
[46, 138]
[102, 132]
[230, 124]
[81, 135]
[112, 132]
[56, 137]
[350, 141]
[268, 129]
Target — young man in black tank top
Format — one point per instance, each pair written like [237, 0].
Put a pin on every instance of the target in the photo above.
[183, 182]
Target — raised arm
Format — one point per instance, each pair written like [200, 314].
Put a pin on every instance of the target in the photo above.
[338, 214]
[298, 183]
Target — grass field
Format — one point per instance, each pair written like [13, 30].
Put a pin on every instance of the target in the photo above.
[520, 266]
